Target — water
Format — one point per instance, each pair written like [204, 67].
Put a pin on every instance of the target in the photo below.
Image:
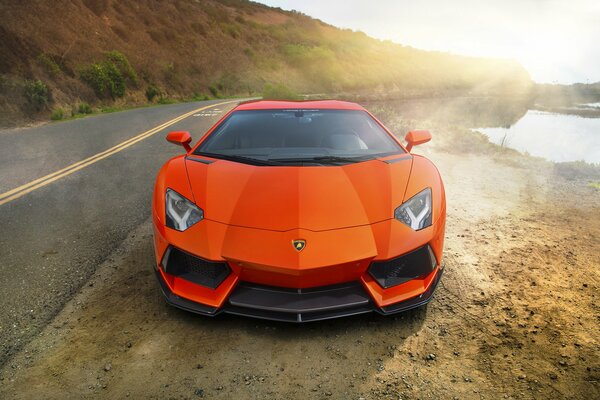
[513, 122]
[556, 137]
[590, 105]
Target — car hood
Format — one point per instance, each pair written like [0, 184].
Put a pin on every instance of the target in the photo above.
[283, 198]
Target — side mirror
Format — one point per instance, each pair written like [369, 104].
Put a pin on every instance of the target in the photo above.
[181, 138]
[415, 138]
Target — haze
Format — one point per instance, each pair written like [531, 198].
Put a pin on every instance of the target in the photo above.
[557, 41]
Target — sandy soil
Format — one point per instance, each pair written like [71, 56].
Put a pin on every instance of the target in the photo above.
[516, 315]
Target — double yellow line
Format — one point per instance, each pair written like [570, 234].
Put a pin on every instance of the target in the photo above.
[46, 180]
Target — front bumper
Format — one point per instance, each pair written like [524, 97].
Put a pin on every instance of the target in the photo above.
[331, 277]
[299, 305]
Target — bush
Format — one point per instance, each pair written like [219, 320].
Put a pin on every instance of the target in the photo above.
[200, 97]
[151, 92]
[165, 100]
[37, 94]
[123, 65]
[57, 114]
[84, 108]
[105, 78]
[279, 92]
[111, 76]
[214, 90]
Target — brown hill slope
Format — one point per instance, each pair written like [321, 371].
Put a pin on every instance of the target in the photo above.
[99, 51]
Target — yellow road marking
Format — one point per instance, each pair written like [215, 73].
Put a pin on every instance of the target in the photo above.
[45, 180]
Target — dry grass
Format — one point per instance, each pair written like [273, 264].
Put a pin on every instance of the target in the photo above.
[236, 47]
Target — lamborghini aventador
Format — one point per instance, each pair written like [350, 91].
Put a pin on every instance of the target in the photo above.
[298, 211]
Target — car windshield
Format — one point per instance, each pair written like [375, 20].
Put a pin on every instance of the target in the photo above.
[299, 137]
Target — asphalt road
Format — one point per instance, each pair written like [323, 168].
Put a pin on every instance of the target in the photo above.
[54, 236]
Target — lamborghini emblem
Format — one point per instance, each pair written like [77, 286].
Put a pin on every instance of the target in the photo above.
[299, 244]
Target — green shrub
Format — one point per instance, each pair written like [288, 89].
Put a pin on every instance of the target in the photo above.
[111, 76]
[165, 100]
[84, 108]
[57, 114]
[123, 65]
[37, 94]
[200, 97]
[105, 78]
[279, 92]
[152, 91]
[214, 90]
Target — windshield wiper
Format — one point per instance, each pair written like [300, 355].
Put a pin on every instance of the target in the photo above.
[236, 158]
[321, 159]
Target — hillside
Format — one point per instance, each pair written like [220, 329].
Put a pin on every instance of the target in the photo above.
[61, 54]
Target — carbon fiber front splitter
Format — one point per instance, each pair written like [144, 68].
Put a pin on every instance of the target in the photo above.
[298, 305]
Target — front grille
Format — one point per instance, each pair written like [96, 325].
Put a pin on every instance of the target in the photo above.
[402, 269]
[194, 269]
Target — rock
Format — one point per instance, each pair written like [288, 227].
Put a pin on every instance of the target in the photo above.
[108, 367]
[430, 357]
[199, 366]
[199, 392]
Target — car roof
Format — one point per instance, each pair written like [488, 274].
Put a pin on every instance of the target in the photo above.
[294, 105]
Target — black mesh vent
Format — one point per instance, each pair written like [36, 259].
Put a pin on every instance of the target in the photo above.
[413, 265]
[194, 269]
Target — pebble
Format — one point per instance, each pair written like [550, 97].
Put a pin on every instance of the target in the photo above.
[430, 357]
[108, 367]
[199, 392]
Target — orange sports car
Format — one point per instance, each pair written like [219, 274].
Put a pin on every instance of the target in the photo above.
[298, 211]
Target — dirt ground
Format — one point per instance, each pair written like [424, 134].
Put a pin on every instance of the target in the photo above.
[516, 314]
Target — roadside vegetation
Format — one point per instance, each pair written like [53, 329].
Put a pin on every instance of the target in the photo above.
[279, 92]
[110, 77]
[239, 48]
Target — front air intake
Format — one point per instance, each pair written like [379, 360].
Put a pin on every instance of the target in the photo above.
[415, 264]
[194, 269]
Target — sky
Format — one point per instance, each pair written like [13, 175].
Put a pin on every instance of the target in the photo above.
[557, 41]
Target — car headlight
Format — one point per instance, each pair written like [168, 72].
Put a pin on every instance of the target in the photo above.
[181, 213]
[416, 212]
